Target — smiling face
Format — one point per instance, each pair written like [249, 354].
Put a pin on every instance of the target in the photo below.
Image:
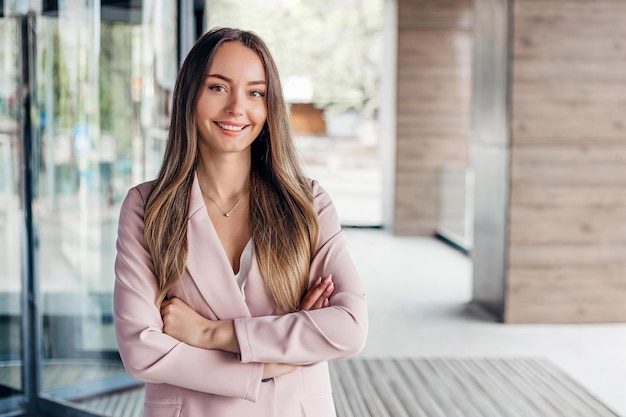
[231, 108]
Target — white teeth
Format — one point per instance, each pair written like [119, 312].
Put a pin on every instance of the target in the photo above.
[230, 127]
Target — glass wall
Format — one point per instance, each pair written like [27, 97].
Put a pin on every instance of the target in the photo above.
[329, 55]
[102, 74]
[11, 217]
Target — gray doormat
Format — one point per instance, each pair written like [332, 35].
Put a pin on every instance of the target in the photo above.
[459, 388]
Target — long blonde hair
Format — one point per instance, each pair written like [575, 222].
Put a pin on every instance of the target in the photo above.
[284, 224]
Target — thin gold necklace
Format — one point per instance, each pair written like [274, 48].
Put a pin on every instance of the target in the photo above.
[229, 212]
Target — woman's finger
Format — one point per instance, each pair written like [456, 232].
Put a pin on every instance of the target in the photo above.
[322, 301]
[170, 301]
[312, 295]
[314, 299]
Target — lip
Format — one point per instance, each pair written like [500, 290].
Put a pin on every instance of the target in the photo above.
[243, 127]
[231, 123]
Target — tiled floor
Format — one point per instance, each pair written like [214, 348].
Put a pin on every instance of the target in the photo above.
[419, 291]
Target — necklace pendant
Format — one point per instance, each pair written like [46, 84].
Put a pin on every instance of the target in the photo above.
[225, 213]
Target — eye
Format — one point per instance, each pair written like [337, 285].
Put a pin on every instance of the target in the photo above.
[218, 88]
[257, 93]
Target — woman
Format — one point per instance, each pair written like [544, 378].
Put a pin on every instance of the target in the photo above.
[220, 305]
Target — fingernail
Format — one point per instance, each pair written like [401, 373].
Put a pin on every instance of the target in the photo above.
[319, 281]
[328, 278]
[330, 287]
[326, 302]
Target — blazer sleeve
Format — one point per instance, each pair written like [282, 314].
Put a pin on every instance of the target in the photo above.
[148, 353]
[307, 337]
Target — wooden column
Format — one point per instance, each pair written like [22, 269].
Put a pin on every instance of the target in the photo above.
[433, 94]
[567, 213]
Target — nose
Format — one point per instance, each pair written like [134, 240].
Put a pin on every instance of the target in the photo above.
[235, 106]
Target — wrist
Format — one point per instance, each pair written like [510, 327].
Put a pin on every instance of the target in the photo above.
[225, 337]
[206, 336]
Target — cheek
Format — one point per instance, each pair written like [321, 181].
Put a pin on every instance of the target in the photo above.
[200, 111]
[201, 105]
[204, 105]
[260, 114]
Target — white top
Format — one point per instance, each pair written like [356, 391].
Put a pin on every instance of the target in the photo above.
[244, 267]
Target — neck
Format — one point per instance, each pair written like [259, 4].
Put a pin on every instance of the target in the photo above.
[224, 179]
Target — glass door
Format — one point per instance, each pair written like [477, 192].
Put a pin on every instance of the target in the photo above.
[75, 205]
[105, 75]
[85, 92]
[11, 217]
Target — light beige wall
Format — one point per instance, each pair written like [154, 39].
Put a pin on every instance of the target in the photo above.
[567, 230]
[433, 95]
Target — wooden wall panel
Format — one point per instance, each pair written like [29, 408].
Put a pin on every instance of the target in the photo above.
[419, 184]
[433, 73]
[546, 296]
[585, 17]
[568, 111]
[567, 231]
[433, 14]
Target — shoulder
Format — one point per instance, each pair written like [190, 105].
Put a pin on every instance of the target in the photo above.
[136, 198]
[144, 189]
[321, 198]
[326, 212]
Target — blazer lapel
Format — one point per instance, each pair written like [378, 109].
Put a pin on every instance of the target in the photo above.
[208, 265]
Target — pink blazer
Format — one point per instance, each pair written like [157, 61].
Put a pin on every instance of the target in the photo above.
[182, 380]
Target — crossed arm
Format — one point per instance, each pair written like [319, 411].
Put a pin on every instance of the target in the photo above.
[184, 324]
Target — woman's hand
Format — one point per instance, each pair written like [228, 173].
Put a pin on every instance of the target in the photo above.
[183, 323]
[318, 295]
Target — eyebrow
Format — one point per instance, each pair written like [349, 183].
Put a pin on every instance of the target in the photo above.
[228, 80]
